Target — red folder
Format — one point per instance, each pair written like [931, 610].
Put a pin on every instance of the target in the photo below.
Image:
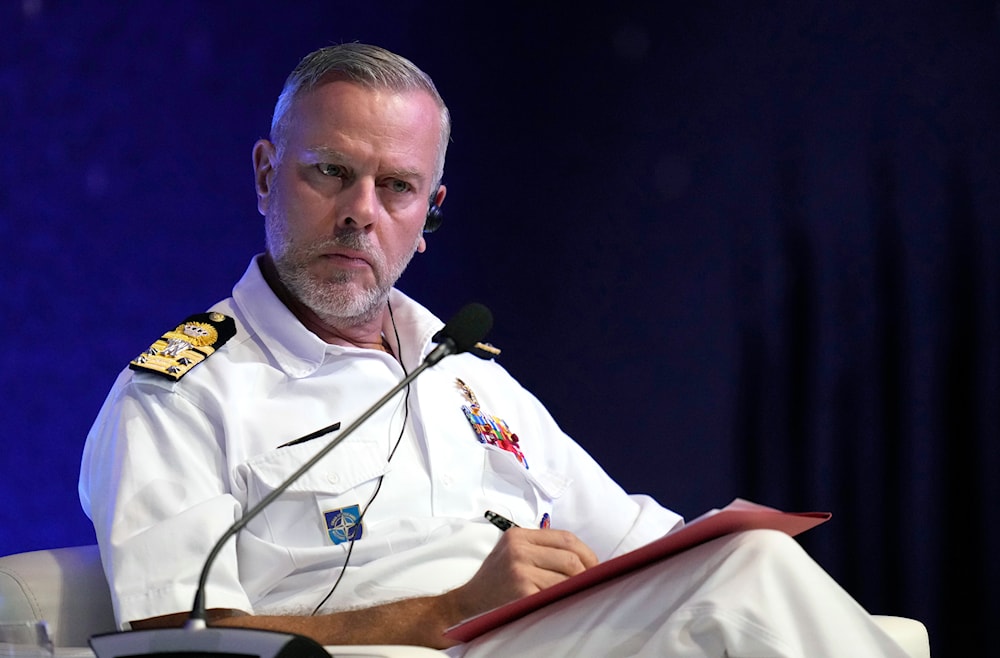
[737, 516]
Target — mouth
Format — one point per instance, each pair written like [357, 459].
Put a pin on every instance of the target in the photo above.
[347, 258]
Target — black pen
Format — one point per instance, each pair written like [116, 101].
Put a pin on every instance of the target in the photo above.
[501, 522]
[310, 437]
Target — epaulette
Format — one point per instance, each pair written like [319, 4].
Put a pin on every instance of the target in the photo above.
[485, 351]
[194, 340]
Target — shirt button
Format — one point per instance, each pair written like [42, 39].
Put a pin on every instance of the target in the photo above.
[447, 480]
[333, 478]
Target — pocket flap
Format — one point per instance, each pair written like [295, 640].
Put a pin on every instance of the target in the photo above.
[347, 466]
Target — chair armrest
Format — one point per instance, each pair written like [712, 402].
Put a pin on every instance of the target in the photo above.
[910, 634]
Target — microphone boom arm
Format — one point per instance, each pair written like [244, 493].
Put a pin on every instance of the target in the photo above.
[198, 616]
[460, 334]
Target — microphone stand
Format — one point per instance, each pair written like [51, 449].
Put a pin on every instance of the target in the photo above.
[195, 638]
[197, 619]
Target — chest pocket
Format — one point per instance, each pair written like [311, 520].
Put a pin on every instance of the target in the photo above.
[345, 477]
[526, 495]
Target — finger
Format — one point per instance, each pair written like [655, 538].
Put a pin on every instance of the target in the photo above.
[560, 540]
[563, 554]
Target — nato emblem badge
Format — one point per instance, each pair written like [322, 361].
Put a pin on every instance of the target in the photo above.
[344, 524]
[176, 352]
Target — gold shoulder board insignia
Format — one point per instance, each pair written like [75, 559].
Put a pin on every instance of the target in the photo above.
[193, 341]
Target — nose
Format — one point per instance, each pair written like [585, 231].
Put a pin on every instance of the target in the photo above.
[357, 205]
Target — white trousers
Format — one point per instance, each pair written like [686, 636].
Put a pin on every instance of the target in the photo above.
[747, 595]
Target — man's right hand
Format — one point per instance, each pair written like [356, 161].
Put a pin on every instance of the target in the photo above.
[523, 562]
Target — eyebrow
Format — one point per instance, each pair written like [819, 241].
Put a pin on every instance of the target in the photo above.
[327, 153]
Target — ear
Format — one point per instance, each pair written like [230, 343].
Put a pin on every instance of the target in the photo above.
[265, 160]
[439, 197]
[438, 200]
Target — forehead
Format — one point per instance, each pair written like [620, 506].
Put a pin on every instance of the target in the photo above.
[340, 114]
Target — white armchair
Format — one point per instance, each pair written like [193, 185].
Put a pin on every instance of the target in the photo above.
[66, 587]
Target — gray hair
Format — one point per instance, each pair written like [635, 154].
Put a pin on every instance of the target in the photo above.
[369, 66]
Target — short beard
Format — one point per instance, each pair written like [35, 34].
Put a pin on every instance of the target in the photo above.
[335, 299]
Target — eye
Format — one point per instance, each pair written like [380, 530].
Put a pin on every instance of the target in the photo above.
[332, 170]
[397, 185]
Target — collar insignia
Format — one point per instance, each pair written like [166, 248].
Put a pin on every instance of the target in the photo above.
[485, 351]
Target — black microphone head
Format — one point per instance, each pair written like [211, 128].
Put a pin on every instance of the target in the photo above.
[466, 328]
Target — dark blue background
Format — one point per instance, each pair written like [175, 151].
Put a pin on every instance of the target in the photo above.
[740, 249]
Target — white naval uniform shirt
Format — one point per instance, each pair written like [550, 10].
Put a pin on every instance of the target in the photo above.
[169, 466]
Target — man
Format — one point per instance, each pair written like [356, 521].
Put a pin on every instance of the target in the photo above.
[384, 540]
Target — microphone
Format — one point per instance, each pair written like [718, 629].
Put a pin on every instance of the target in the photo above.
[469, 326]
[461, 334]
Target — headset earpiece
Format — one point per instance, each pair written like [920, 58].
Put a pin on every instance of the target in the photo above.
[434, 218]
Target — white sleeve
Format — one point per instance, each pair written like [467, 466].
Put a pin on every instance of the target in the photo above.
[593, 506]
[154, 482]
[609, 519]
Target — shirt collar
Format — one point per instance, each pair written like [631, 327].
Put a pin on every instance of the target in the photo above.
[299, 352]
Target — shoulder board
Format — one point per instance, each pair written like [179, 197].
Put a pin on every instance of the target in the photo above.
[194, 340]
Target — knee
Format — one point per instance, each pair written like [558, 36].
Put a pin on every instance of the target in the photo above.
[772, 546]
[766, 539]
